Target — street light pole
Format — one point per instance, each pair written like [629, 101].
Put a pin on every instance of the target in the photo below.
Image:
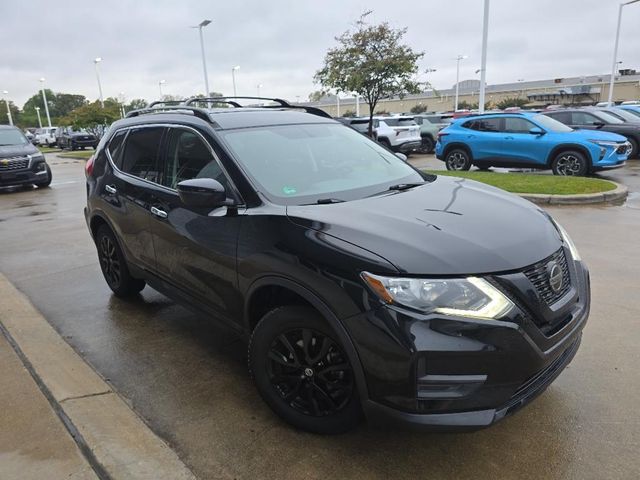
[6, 100]
[160, 83]
[337, 104]
[483, 61]
[44, 99]
[357, 105]
[458, 58]
[39, 119]
[200, 26]
[615, 51]
[233, 78]
[96, 61]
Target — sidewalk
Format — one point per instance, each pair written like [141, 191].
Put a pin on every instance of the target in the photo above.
[34, 444]
[58, 418]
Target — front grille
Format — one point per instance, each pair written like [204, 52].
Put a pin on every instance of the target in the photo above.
[18, 163]
[539, 276]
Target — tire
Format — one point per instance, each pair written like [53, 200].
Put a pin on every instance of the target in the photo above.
[114, 266]
[310, 390]
[385, 142]
[427, 145]
[570, 163]
[458, 159]
[634, 147]
[47, 182]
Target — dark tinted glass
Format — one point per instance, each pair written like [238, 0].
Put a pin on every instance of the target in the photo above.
[116, 148]
[584, 118]
[489, 124]
[517, 125]
[188, 156]
[141, 153]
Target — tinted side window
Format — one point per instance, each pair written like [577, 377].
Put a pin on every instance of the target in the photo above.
[562, 117]
[489, 124]
[188, 156]
[517, 125]
[141, 153]
[116, 148]
[471, 124]
[583, 118]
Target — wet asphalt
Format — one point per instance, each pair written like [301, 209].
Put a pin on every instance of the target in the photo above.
[188, 380]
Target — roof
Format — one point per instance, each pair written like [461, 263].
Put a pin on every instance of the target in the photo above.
[8, 127]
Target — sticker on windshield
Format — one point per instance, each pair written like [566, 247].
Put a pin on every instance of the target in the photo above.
[289, 190]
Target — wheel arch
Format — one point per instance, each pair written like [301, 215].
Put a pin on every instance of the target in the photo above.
[318, 304]
[566, 147]
[454, 145]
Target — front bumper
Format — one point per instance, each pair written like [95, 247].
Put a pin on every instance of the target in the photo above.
[614, 157]
[26, 176]
[436, 372]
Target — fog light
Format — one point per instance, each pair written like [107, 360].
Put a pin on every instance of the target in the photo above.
[603, 151]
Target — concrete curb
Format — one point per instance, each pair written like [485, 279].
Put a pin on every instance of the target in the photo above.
[113, 438]
[618, 194]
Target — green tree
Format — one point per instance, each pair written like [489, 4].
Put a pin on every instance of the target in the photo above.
[419, 108]
[373, 62]
[512, 102]
[317, 95]
[15, 113]
[136, 104]
[93, 117]
[60, 104]
[349, 114]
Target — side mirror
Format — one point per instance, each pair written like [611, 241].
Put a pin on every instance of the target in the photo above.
[536, 131]
[401, 156]
[598, 124]
[202, 192]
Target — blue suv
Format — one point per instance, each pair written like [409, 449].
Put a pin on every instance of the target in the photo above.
[527, 139]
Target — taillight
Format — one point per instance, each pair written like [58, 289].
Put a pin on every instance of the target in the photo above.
[442, 134]
[88, 168]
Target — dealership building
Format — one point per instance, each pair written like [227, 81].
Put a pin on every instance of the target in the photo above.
[586, 90]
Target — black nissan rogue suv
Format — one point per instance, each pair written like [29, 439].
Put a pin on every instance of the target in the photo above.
[363, 286]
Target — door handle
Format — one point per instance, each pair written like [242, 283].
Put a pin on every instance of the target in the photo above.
[471, 136]
[508, 137]
[158, 213]
[110, 189]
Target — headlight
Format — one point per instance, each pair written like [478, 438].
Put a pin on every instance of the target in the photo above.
[566, 239]
[466, 297]
[38, 157]
[605, 143]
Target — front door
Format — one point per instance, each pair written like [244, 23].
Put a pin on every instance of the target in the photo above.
[196, 247]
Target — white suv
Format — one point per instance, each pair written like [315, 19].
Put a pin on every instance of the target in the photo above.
[400, 134]
[46, 136]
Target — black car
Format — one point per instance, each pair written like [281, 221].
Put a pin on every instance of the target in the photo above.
[20, 162]
[362, 285]
[72, 139]
[598, 119]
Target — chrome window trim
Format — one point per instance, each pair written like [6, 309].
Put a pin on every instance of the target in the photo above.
[128, 129]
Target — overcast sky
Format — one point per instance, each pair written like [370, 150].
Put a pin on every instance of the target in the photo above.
[281, 43]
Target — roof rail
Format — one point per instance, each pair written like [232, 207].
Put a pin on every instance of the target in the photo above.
[164, 102]
[280, 104]
[197, 112]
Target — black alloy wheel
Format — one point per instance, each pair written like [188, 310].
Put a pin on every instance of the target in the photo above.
[303, 372]
[310, 372]
[114, 266]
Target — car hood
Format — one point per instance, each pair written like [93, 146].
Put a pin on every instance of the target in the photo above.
[599, 135]
[17, 150]
[80, 134]
[450, 226]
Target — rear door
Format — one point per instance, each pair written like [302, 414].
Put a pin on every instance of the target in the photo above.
[195, 247]
[128, 191]
[485, 137]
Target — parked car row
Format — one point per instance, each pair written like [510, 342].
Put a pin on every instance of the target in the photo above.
[21, 163]
[63, 137]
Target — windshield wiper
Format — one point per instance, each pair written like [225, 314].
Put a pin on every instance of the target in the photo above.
[404, 186]
[324, 201]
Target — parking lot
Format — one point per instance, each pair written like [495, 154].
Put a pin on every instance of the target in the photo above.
[188, 380]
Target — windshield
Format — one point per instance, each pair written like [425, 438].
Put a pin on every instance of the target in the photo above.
[607, 117]
[623, 115]
[299, 164]
[550, 124]
[12, 136]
